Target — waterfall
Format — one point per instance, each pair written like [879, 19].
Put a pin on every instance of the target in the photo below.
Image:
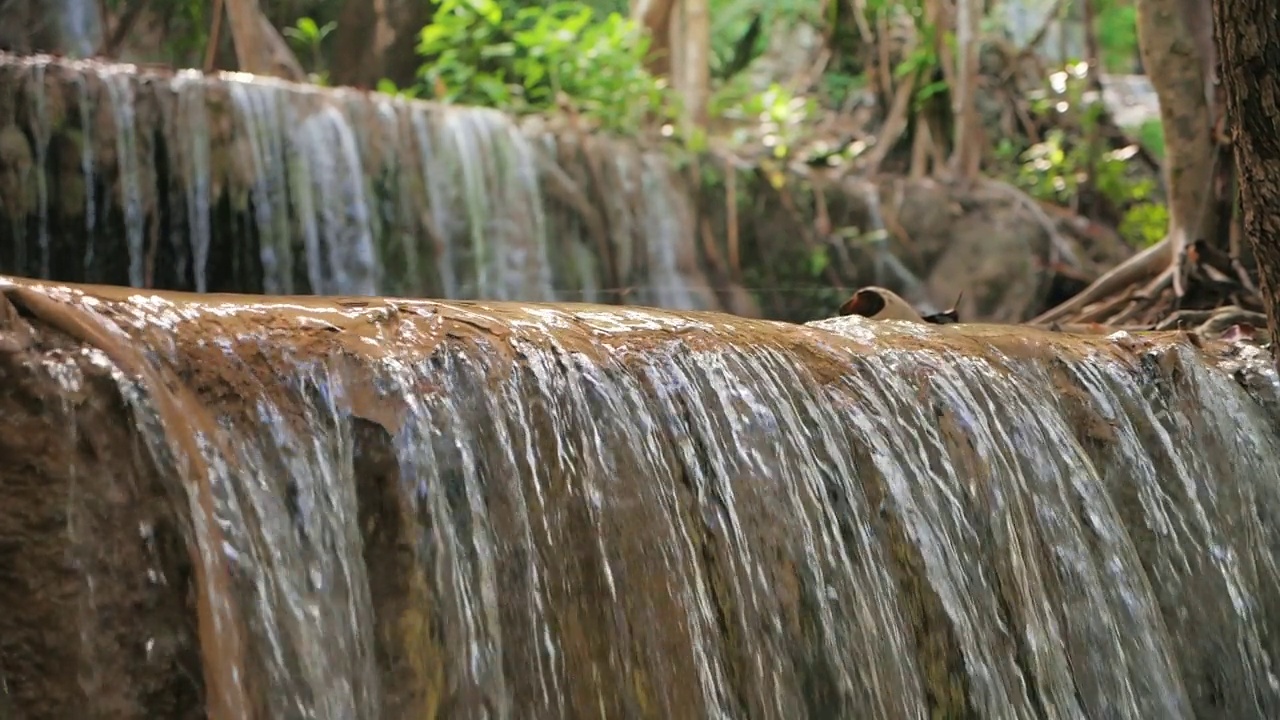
[231, 182]
[74, 27]
[467, 509]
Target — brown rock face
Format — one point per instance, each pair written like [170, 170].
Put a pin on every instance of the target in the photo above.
[234, 506]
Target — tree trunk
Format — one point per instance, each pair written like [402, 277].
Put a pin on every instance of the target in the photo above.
[259, 47]
[680, 49]
[694, 56]
[1248, 34]
[1178, 69]
[378, 39]
[655, 16]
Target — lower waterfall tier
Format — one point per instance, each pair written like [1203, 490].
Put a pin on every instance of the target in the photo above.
[289, 507]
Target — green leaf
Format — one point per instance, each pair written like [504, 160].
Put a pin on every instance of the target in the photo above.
[308, 27]
[498, 50]
[818, 261]
[431, 37]
[928, 91]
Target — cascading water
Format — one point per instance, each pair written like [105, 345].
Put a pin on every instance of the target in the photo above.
[77, 27]
[119, 91]
[194, 163]
[481, 510]
[232, 182]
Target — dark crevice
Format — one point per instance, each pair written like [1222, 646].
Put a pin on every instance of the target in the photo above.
[694, 477]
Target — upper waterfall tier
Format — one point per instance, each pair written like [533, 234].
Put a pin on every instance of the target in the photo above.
[134, 176]
[129, 175]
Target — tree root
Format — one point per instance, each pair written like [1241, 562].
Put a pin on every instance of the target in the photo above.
[1129, 298]
[1146, 264]
[1213, 322]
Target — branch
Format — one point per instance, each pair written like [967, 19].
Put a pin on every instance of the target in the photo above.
[123, 26]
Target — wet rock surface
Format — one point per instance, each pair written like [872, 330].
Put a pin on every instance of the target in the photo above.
[430, 509]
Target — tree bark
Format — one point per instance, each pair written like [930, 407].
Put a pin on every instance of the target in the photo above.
[1178, 69]
[655, 16]
[680, 49]
[1248, 36]
[376, 40]
[694, 72]
[259, 47]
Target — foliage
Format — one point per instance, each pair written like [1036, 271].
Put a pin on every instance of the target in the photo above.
[776, 115]
[1144, 223]
[1116, 25]
[483, 52]
[910, 44]
[1056, 170]
[387, 87]
[308, 38]
[1059, 168]
[737, 28]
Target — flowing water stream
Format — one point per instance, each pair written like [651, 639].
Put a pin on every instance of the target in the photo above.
[498, 511]
[239, 183]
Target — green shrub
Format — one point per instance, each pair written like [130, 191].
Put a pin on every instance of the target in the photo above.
[530, 59]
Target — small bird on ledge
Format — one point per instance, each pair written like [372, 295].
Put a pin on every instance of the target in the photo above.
[878, 303]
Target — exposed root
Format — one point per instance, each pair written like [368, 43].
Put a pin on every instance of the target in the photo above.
[1206, 279]
[1146, 264]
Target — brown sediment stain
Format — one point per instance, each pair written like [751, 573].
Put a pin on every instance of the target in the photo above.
[184, 420]
[90, 554]
[1091, 427]
[373, 328]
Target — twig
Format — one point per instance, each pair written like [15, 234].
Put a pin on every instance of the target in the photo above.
[1059, 248]
[822, 228]
[1043, 30]
[864, 28]
[1183, 319]
[894, 125]
[1100, 311]
[965, 152]
[811, 244]
[709, 246]
[123, 26]
[1145, 264]
[920, 151]
[1226, 317]
[889, 213]
[884, 66]
[937, 15]
[731, 219]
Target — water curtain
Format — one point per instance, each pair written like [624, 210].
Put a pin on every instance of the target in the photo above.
[381, 508]
[135, 176]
